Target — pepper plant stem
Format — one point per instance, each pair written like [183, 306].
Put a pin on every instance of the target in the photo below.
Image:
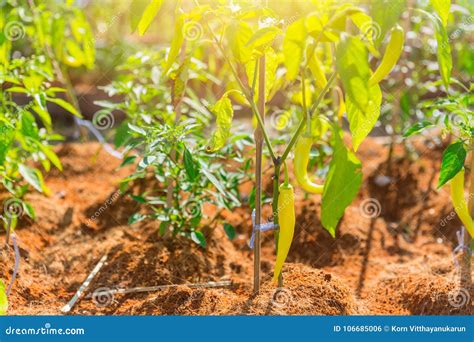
[258, 172]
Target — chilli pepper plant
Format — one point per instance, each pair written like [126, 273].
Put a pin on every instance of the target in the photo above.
[157, 127]
[454, 113]
[29, 68]
[268, 55]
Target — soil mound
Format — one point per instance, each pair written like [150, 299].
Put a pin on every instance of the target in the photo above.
[306, 291]
[424, 295]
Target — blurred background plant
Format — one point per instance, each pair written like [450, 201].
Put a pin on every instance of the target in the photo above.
[179, 176]
[37, 45]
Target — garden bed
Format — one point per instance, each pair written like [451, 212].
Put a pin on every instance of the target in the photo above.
[392, 254]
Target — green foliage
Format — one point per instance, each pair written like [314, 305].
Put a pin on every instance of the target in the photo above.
[443, 50]
[341, 186]
[171, 149]
[38, 43]
[3, 300]
[224, 112]
[453, 161]
[417, 128]
[150, 12]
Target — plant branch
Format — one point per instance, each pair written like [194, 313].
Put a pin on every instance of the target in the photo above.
[246, 93]
[305, 118]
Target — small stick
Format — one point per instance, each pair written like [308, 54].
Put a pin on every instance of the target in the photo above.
[17, 264]
[68, 307]
[9, 228]
[160, 287]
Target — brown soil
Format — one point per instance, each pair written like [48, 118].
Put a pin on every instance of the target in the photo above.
[391, 258]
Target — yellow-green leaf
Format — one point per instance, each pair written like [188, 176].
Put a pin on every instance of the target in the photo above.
[361, 121]
[353, 67]
[3, 300]
[66, 105]
[263, 37]
[176, 44]
[316, 68]
[443, 50]
[369, 30]
[293, 47]
[150, 13]
[271, 65]
[238, 34]
[224, 113]
[337, 194]
[442, 7]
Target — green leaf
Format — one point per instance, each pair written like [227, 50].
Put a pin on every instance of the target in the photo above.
[29, 127]
[263, 37]
[417, 128]
[238, 34]
[224, 113]
[442, 7]
[229, 230]
[453, 161]
[361, 122]
[150, 13]
[44, 116]
[217, 184]
[386, 14]
[7, 135]
[252, 198]
[137, 8]
[139, 199]
[146, 161]
[33, 177]
[49, 153]
[368, 30]
[342, 184]
[29, 210]
[66, 105]
[137, 129]
[176, 44]
[198, 238]
[352, 63]
[3, 300]
[271, 66]
[444, 49]
[293, 47]
[121, 134]
[190, 165]
[135, 218]
[128, 160]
